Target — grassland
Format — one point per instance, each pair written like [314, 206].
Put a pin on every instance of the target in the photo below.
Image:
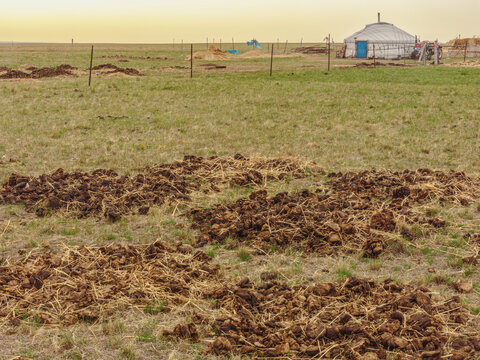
[346, 119]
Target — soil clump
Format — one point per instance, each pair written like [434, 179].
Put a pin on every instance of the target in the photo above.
[356, 212]
[354, 319]
[91, 283]
[105, 192]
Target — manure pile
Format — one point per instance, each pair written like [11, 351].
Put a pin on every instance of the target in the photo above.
[353, 214]
[37, 73]
[34, 72]
[106, 193]
[108, 69]
[90, 283]
[354, 319]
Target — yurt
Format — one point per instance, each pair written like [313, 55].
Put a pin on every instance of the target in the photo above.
[384, 39]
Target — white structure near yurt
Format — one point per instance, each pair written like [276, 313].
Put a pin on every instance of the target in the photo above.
[385, 39]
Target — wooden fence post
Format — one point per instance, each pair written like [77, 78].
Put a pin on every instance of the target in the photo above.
[465, 53]
[191, 60]
[329, 52]
[91, 62]
[271, 61]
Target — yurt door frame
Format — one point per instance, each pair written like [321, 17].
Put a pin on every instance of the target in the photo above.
[362, 49]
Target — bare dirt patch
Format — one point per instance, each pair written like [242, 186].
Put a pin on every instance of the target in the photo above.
[214, 53]
[108, 69]
[355, 319]
[89, 283]
[105, 192]
[33, 72]
[37, 73]
[353, 215]
[470, 63]
[364, 65]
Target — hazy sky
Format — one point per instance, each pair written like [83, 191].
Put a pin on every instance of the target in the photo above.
[157, 21]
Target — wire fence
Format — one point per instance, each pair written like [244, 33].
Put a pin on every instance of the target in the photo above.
[284, 54]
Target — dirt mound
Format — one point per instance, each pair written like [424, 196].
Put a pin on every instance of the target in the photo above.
[470, 63]
[212, 53]
[311, 50]
[104, 192]
[134, 57]
[371, 65]
[355, 319]
[37, 73]
[410, 186]
[61, 70]
[353, 215]
[460, 43]
[114, 69]
[212, 66]
[87, 283]
[13, 74]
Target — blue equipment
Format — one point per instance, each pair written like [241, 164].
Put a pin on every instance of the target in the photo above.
[254, 43]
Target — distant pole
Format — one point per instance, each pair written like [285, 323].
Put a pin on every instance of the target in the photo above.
[285, 50]
[435, 51]
[91, 62]
[301, 42]
[328, 52]
[465, 52]
[271, 62]
[191, 60]
[207, 42]
[72, 42]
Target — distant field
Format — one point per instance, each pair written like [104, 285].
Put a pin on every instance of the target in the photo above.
[348, 119]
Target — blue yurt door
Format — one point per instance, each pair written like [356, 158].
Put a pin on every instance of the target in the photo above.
[361, 49]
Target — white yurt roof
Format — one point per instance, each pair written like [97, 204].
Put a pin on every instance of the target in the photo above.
[382, 32]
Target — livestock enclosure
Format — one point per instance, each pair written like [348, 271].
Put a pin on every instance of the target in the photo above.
[317, 213]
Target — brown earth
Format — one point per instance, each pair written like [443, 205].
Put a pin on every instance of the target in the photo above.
[364, 65]
[354, 319]
[311, 50]
[355, 214]
[89, 283]
[108, 69]
[33, 72]
[469, 63]
[214, 53]
[460, 43]
[37, 73]
[212, 66]
[134, 57]
[104, 192]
